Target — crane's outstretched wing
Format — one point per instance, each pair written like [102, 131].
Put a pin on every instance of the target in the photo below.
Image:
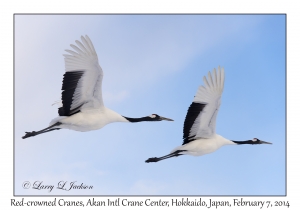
[200, 121]
[81, 88]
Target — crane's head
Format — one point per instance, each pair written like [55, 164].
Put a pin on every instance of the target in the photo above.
[156, 117]
[257, 141]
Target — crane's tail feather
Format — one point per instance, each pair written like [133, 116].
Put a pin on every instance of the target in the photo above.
[173, 154]
[34, 133]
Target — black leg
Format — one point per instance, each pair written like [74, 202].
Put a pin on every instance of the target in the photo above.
[173, 154]
[34, 133]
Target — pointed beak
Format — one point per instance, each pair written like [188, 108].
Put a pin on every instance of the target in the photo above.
[264, 142]
[164, 118]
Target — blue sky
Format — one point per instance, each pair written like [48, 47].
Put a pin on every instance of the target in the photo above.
[154, 64]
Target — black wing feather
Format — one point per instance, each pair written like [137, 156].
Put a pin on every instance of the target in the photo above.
[69, 85]
[193, 112]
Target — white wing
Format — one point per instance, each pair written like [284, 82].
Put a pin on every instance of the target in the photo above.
[200, 121]
[82, 83]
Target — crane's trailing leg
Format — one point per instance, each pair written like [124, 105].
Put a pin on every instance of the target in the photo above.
[173, 154]
[34, 133]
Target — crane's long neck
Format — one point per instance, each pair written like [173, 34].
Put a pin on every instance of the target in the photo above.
[141, 119]
[244, 142]
[254, 141]
[115, 117]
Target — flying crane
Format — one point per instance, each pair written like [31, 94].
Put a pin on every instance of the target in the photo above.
[82, 104]
[199, 136]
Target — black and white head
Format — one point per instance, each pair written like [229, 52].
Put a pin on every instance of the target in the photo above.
[258, 141]
[156, 117]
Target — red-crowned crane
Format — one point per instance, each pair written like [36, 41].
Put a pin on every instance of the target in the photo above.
[82, 105]
[199, 136]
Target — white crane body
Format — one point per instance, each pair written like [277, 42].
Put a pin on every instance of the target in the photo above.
[203, 146]
[89, 120]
